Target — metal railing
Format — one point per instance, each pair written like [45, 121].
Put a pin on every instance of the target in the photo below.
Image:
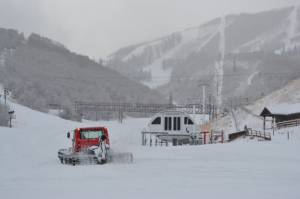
[250, 133]
[287, 124]
[161, 138]
[259, 134]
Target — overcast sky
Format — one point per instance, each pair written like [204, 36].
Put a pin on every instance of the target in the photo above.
[99, 27]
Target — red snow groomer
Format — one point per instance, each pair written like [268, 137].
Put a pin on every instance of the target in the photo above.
[91, 146]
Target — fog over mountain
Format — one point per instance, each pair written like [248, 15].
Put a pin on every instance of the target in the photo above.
[245, 55]
[100, 27]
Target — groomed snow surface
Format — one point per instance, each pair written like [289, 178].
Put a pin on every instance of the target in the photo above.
[29, 167]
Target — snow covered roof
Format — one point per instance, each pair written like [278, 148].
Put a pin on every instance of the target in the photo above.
[282, 109]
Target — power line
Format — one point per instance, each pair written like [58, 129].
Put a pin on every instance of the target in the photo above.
[192, 77]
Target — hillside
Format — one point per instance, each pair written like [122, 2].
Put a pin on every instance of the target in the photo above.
[254, 54]
[39, 71]
[248, 114]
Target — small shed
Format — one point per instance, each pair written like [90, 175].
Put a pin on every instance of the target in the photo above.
[172, 126]
[281, 113]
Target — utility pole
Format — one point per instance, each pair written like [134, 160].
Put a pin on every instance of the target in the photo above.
[203, 84]
[5, 94]
[170, 100]
[210, 106]
[203, 98]
[217, 99]
[10, 117]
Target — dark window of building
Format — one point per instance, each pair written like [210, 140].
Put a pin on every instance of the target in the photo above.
[166, 123]
[174, 123]
[185, 120]
[190, 122]
[170, 124]
[157, 120]
[178, 123]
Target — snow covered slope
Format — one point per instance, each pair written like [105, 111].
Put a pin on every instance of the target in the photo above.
[272, 31]
[290, 94]
[29, 167]
[287, 97]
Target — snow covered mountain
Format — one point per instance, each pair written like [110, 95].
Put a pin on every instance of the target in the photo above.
[228, 53]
